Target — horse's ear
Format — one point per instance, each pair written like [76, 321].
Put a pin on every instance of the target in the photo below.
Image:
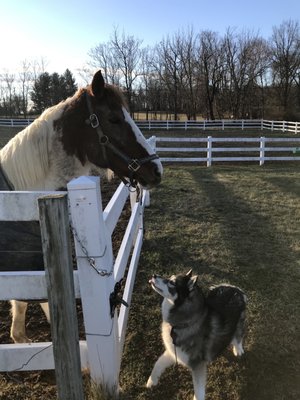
[98, 84]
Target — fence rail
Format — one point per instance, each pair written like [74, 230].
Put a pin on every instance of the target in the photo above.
[105, 328]
[259, 149]
[221, 124]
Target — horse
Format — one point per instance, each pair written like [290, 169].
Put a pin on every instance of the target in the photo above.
[89, 131]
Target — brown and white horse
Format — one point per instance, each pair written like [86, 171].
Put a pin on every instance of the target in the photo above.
[92, 129]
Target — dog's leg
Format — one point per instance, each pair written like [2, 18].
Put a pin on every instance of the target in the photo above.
[17, 331]
[237, 341]
[164, 361]
[199, 381]
[237, 347]
[45, 308]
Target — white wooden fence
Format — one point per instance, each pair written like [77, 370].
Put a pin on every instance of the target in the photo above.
[95, 280]
[221, 124]
[259, 149]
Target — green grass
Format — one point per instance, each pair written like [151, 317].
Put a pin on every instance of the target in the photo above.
[232, 224]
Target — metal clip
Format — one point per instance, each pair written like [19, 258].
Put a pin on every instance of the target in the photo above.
[94, 121]
[134, 165]
[115, 299]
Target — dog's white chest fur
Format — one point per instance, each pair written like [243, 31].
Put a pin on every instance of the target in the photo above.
[179, 356]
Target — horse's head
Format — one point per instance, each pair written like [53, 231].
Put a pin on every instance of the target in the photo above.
[108, 137]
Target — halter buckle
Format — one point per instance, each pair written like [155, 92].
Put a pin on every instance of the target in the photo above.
[134, 165]
[94, 121]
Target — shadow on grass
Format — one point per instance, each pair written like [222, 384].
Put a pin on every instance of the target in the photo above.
[199, 220]
[262, 264]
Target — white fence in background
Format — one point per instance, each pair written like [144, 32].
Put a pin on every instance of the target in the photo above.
[95, 282]
[229, 149]
[221, 124]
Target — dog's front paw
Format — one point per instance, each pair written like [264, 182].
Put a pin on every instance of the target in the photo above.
[238, 350]
[151, 382]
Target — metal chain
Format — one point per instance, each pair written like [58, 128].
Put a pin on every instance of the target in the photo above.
[91, 260]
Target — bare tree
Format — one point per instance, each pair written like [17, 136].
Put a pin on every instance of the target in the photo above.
[211, 68]
[285, 45]
[168, 65]
[246, 60]
[127, 53]
[190, 81]
[25, 78]
[103, 56]
[8, 80]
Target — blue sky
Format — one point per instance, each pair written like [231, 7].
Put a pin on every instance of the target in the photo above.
[63, 31]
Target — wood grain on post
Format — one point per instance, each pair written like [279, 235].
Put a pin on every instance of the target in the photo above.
[54, 221]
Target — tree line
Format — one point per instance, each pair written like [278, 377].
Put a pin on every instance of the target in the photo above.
[237, 75]
[32, 91]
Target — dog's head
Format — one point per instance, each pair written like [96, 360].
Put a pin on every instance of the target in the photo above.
[175, 288]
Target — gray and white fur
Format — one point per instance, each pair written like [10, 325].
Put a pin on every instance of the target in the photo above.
[196, 328]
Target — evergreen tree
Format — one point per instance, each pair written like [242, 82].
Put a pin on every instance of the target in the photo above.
[41, 93]
[68, 84]
[49, 90]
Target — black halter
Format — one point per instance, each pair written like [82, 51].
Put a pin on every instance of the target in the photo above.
[133, 164]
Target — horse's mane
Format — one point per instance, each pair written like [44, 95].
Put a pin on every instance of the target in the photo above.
[25, 158]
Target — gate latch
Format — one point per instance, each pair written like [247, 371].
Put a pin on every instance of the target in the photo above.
[115, 299]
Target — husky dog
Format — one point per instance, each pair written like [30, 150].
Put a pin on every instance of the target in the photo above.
[197, 328]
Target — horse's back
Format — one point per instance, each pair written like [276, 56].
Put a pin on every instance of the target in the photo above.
[20, 246]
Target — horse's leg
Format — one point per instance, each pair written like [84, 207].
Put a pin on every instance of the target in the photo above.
[17, 332]
[45, 308]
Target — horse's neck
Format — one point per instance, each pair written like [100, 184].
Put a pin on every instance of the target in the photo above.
[35, 160]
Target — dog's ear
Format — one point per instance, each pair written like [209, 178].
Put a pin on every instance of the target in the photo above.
[190, 273]
[192, 282]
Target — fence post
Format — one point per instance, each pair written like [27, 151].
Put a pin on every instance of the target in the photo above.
[242, 124]
[209, 151]
[54, 221]
[95, 269]
[262, 151]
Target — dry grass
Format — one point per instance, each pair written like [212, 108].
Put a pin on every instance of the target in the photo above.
[239, 224]
[235, 224]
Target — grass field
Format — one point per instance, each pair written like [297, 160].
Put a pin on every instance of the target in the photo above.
[230, 224]
[238, 224]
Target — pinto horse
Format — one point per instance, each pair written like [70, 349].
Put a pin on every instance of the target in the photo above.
[91, 130]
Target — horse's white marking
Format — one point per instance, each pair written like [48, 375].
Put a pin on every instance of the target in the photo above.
[35, 159]
[140, 137]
